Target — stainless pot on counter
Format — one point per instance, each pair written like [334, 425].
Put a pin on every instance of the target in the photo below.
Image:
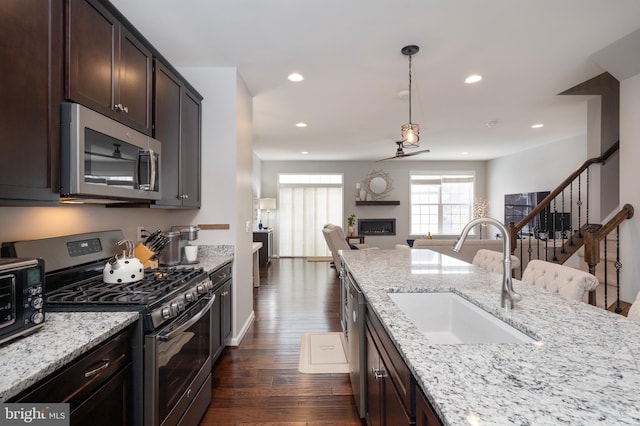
[170, 255]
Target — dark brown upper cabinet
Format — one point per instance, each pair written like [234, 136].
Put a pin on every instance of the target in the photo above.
[107, 68]
[31, 45]
[177, 119]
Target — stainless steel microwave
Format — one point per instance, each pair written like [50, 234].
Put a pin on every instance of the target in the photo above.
[104, 159]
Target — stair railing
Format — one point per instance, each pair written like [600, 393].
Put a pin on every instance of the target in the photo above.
[549, 237]
[593, 236]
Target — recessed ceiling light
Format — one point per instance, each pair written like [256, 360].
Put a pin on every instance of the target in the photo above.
[464, 153]
[473, 78]
[301, 124]
[295, 77]
[537, 126]
[304, 152]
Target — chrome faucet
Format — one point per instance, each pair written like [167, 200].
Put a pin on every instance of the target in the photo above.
[508, 297]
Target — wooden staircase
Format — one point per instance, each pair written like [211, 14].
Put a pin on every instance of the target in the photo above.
[567, 199]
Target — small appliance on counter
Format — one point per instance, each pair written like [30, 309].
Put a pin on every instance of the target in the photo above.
[179, 238]
[21, 297]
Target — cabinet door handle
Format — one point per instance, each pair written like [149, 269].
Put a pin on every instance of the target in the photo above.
[121, 108]
[378, 373]
[104, 363]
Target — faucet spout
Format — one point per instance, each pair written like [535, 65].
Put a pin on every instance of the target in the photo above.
[508, 297]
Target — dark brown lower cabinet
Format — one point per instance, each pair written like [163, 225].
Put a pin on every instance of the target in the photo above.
[97, 386]
[109, 405]
[425, 416]
[390, 385]
[221, 313]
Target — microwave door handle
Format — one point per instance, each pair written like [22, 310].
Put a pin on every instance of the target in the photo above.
[138, 160]
[152, 176]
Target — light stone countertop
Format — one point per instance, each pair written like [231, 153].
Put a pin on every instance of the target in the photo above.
[64, 337]
[211, 257]
[586, 372]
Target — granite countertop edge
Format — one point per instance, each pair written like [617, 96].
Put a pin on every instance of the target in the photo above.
[64, 337]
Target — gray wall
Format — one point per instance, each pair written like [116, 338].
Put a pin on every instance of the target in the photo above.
[356, 171]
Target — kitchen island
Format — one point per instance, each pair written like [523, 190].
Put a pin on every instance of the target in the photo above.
[584, 367]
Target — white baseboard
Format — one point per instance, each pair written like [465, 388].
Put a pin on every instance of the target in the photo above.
[235, 341]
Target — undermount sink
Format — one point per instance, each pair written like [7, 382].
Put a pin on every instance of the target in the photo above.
[446, 318]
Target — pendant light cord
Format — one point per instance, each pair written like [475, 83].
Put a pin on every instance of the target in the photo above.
[410, 89]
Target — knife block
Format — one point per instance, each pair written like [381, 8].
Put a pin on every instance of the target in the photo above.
[144, 255]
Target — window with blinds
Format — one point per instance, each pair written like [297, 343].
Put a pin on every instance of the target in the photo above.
[442, 203]
[307, 202]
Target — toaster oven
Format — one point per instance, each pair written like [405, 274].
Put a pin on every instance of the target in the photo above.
[21, 297]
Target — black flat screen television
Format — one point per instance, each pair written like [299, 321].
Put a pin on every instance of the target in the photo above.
[518, 206]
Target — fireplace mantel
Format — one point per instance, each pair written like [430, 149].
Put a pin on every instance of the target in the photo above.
[378, 203]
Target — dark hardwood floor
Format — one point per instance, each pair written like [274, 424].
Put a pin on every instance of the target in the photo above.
[258, 383]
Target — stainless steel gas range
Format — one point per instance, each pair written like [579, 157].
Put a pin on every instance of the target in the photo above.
[173, 374]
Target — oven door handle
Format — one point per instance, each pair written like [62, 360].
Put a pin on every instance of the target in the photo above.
[165, 337]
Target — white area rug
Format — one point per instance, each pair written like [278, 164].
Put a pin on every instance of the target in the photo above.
[323, 353]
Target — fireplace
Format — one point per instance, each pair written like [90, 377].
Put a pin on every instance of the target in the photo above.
[376, 227]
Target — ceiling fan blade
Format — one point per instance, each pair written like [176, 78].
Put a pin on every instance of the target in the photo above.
[409, 154]
[405, 155]
[400, 152]
[389, 158]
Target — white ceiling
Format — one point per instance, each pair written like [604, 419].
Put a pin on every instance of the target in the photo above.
[349, 53]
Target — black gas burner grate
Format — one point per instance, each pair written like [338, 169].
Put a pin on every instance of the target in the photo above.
[155, 286]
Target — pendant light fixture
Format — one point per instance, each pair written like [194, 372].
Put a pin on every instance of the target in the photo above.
[410, 131]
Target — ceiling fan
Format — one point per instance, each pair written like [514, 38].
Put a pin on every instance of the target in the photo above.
[400, 152]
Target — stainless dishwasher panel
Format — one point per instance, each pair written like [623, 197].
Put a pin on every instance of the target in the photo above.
[356, 344]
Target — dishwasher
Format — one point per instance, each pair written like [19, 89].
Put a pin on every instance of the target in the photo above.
[356, 343]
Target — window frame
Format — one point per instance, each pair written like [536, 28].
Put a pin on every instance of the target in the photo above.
[441, 175]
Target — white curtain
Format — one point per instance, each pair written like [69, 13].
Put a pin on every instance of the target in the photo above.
[303, 210]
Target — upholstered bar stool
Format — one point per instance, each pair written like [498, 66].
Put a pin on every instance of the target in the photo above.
[569, 282]
[493, 261]
[634, 310]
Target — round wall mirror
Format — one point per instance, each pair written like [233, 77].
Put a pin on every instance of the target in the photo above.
[378, 185]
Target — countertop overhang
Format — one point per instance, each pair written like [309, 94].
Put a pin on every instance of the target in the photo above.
[586, 371]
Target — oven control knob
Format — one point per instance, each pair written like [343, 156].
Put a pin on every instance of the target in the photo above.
[37, 317]
[35, 290]
[188, 296]
[174, 309]
[180, 305]
[201, 289]
[37, 303]
[166, 313]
